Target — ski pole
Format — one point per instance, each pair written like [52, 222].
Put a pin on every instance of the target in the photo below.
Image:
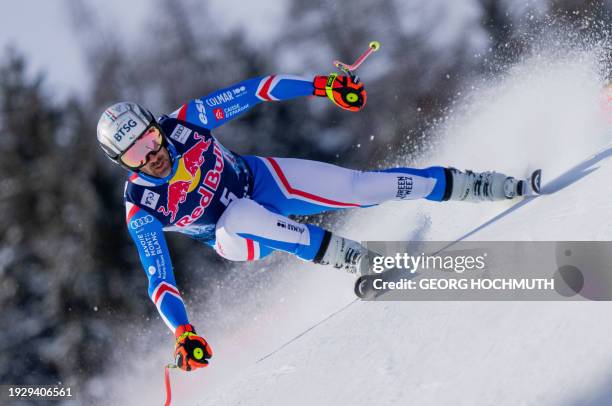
[348, 69]
[167, 382]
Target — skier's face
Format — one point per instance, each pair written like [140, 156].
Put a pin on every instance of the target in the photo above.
[158, 164]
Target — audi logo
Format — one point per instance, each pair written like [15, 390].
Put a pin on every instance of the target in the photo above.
[141, 221]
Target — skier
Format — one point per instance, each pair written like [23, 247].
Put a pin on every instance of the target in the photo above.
[182, 179]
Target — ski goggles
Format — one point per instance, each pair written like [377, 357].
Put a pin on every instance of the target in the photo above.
[137, 155]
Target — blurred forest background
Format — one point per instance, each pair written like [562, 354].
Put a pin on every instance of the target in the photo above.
[70, 280]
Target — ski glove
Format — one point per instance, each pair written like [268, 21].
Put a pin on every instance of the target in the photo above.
[342, 90]
[191, 351]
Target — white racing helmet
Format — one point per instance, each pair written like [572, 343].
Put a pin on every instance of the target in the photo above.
[120, 126]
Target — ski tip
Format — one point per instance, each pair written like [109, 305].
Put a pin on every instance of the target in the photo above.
[536, 180]
[364, 287]
[361, 287]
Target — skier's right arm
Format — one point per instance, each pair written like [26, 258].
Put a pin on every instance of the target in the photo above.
[191, 350]
[148, 235]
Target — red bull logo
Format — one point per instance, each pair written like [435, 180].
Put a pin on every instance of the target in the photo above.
[186, 178]
[205, 200]
[207, 190]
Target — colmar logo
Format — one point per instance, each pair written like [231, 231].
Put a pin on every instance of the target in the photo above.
[186, 178]
[223, 97]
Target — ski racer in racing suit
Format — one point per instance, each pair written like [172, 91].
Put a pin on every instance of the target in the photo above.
[182, 179]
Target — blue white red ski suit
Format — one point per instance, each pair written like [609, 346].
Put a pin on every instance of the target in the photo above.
[239, 204]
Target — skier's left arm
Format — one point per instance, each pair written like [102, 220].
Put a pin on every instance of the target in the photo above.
[221, 106]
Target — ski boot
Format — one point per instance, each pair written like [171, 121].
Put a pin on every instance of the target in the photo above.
[489, 186]
[341, 253]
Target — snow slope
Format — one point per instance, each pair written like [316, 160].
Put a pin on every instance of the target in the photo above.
[544, 113]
